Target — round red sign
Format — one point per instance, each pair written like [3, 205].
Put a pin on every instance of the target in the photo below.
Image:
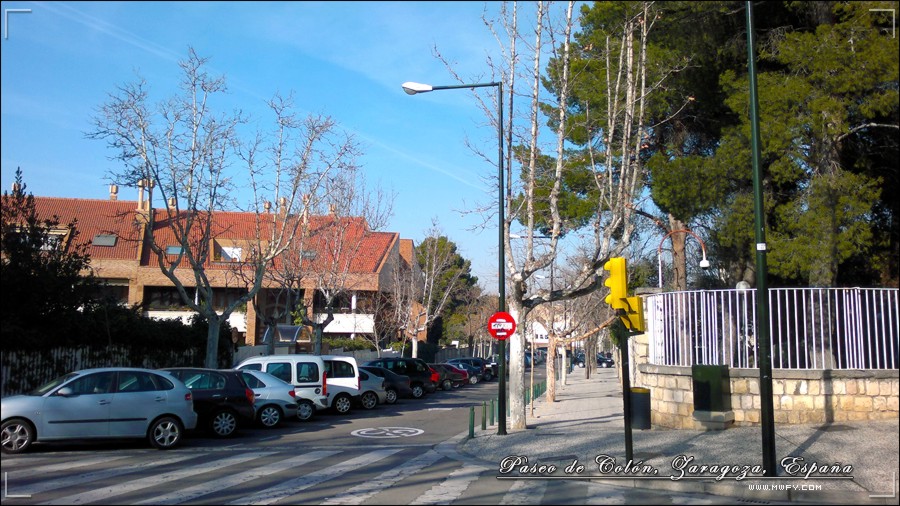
[501, 325]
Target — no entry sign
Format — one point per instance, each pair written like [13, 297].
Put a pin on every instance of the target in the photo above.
[501, 325]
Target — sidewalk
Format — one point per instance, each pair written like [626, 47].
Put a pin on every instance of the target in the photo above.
[586, 421]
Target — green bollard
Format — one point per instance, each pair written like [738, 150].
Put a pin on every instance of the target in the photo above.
[492, 412]
[471, 422]
[483, 415]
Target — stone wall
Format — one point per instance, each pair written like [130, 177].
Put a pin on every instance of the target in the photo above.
[813, 396]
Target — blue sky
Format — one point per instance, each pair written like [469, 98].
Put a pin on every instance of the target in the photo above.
[343, 59]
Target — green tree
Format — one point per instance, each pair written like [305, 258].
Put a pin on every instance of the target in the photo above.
[44, 273]
[822, 90]
[448, 278]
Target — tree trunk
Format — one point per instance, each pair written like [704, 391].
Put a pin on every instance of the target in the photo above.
[679, 261]
[212, 342]
[551, 367]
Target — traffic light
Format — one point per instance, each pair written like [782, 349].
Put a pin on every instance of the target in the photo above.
[617, 283]
[634, 315]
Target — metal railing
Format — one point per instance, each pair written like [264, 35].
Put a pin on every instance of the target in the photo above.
[810, 328]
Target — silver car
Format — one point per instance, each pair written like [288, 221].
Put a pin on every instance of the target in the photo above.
[274, 398]
[372, 388]
[112, 402]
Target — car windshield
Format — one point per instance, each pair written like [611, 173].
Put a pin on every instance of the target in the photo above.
[46, 387]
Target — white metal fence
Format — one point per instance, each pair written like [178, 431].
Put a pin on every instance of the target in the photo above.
[810, 328]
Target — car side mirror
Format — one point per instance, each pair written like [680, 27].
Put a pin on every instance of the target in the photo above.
[65, 392]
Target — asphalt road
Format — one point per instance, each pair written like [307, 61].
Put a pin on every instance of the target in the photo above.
[400, 454]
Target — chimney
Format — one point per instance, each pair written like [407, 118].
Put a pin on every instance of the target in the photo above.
[173, 202]
[332, 209]
[140, 185]
[113, 192]
[267, 206]
[305, 214]
[282, 206]
[16, 188]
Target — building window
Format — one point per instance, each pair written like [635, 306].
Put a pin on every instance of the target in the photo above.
[163, 298]
[173, 250]
[104, 240]
[230, 254]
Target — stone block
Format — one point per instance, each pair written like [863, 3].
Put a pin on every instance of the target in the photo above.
[862, 404]
[778, 387]
[787, 402]
[873, 387]
[815, 387]
[713, 420]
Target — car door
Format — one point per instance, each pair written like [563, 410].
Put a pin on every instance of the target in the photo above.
[80, 408]
[139, 398]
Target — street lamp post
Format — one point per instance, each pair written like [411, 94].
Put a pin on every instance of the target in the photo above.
[704, 263]
[412, 88]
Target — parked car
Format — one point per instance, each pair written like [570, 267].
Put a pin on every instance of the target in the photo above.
[273, 398]
[222, 399]
[373, 391]
[605, 360]
[484, 368]
[343, 372]
[460, 376]
[420, 375]
[473, 371]
[450, 376]
[395, 385]
[308, 375]
[115, 402]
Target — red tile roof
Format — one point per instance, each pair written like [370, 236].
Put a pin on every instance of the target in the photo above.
[363, 251]
[96, 217]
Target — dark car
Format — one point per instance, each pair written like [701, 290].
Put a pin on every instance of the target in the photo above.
[396, 385]
[473, 372]
[222, 399]
[420, 375]
[450, 375]
[484, 367]
[605, 360]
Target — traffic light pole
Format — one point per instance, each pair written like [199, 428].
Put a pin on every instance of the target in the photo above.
[619, 328]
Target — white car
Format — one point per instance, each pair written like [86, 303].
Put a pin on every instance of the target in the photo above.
[273, 398]
[112, 402]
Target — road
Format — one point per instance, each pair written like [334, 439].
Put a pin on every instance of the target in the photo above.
[400, 454]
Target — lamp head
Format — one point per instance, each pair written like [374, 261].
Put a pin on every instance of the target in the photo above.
[412, 88]
[704, 264]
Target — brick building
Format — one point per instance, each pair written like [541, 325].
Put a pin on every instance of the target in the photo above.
[115, 231]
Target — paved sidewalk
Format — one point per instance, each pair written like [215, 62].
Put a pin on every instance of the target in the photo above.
[586, 421]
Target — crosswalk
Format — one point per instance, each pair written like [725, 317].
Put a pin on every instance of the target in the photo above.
[333, 476]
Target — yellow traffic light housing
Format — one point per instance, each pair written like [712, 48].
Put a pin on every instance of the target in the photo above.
[617, 283]
[634, 315]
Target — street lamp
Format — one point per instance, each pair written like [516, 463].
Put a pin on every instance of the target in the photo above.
[412, 88]
[704, 263]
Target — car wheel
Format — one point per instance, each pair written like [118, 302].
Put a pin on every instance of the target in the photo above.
[391, 396]
[342, 404]
[488, 376]
[305, 410]
[270, 416]
[17, 434]
[473, 379]
[165, 433]
[446, 385]
[369, 400]
[223, 424]
[417, 391]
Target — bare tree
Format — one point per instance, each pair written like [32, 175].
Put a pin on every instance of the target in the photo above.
[353, 215]
[191, 155]
[616, 134]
